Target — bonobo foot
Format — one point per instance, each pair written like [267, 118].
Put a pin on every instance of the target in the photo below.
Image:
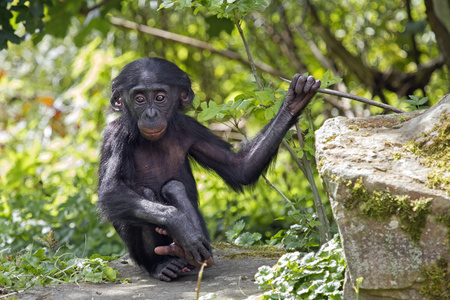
[168, 270]
[175, 250]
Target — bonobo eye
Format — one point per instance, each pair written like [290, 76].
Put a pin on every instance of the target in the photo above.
[160, 97]
[139, 99]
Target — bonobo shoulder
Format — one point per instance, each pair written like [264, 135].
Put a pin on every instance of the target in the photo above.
[111, 129]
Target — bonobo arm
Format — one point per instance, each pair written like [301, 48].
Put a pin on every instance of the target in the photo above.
[245, 166]
[119, 204]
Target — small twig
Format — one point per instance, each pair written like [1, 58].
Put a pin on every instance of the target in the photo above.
[239, 285]
[278, 190]
[252, 63]
[353, 97]
[294, 156]
[199, 281]
[55, 279]
[7, 295]
[324, 229]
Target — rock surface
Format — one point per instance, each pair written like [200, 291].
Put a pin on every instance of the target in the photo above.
[382, 250]
[227, 279]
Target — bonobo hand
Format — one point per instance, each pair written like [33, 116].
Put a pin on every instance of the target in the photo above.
[300, 92]
[175, 249]
[195, 245]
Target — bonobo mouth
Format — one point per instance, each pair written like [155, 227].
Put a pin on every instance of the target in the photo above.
[153, 135]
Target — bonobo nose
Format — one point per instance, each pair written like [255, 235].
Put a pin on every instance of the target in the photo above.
[151, 112]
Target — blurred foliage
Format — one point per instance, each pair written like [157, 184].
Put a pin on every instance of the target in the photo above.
[54, 90]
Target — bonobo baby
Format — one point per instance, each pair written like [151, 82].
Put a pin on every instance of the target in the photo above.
[146, 187]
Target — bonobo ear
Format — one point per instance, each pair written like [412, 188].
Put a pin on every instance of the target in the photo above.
[116, 101]
[186, 96]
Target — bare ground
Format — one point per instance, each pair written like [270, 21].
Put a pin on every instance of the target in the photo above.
[227, 279]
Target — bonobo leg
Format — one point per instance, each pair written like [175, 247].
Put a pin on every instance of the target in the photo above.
[175, 192]
[141, 241]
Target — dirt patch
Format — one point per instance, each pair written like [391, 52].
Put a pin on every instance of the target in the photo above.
[227, 279]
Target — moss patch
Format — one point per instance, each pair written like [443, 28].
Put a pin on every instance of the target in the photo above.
[436, 285]
[446, 220]
[433, 148]
[253, 251]
[382, 205]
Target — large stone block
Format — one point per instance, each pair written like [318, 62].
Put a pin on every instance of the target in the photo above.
[389, 194]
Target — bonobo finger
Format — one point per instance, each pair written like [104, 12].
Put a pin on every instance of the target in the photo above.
[196, 256]
[172, 269]
[164, 278]
[161, 231]
[300, 84]
[294, 82]
[172, 250]
[149, 194]
[316, 85]
[291, 91]
[181, 264]
[309, 83]
[169, 273]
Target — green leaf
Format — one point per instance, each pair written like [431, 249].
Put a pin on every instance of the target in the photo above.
[269, 114]
[216, 25]
[328, 79]
[209, 113]
[239, 226]
[110, 273]
[196, 102]
[423, 101]
[90, 276]
[246, 239]
[167, 4]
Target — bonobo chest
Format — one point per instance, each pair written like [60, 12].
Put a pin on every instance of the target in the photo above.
[155, 164]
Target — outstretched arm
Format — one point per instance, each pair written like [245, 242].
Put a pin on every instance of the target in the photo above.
[245, 166]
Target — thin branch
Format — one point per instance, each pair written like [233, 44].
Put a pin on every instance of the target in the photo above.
[294, 156]
[190, 42]
[360, 99]
[252, 63]
[324, 230]
[199, 281]
[278, 190]
[357, 98]
[86, 10]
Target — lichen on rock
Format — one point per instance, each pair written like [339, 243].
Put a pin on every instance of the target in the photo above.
[433, 147]
[382, 205]
[388, 184]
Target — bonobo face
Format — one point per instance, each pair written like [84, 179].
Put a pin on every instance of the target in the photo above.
[152, 106]
[151, 90]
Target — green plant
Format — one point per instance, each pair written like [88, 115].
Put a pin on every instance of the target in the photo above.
[416, 103]
[311, 275]
[28, 268]
[303, 234]
[358, 284]
[242, 239]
